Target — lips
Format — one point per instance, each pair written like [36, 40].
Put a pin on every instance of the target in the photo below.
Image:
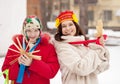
[69, 32]
[32, 39]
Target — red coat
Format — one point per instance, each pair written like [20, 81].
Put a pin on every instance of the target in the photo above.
[40, 71]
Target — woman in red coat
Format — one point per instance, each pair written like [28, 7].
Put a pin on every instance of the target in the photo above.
[31, 55]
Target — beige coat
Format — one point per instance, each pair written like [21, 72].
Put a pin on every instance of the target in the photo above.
[80, 64]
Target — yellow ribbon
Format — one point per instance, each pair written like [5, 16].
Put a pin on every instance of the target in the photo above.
[6, 72]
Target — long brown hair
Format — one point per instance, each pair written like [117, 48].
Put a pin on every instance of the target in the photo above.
[78, 32]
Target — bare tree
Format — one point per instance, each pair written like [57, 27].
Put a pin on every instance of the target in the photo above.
[49, 5]
[66, 6]
[45, 10]
[42, 11]
[83, 15]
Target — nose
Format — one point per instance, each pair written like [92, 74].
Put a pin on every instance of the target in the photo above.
[67, 27]
[32, 34]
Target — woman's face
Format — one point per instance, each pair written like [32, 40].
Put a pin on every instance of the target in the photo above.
[32, 34]
[68, 28]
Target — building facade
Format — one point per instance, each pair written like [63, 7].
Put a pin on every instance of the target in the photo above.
[107, 10]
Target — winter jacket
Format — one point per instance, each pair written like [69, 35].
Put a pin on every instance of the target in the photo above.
[40, 71]
[80, 64]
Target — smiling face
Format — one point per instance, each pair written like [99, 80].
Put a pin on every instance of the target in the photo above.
[32, 34]
[32, 27]
[68, 28]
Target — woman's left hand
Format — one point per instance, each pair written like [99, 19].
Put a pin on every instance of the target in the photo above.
[102, 40]
[25, 60]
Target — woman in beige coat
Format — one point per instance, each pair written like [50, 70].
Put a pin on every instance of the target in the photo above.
[79, 63]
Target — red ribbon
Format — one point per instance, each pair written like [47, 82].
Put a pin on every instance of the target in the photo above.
[86, 42]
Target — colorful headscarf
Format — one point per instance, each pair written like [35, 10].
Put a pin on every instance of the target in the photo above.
[67, 15]
[31, 22]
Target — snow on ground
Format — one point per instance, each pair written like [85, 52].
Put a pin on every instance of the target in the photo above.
[110, 76]
[1, 78]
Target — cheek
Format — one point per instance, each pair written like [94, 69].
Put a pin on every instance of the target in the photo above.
[63, 31]
[38, 33]
[74, 30]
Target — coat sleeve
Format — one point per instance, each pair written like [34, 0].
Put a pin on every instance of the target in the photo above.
[49, 68]
[103, 55]
[13, 68]
[82, 61]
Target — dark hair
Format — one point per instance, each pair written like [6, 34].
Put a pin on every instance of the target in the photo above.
[59, 33]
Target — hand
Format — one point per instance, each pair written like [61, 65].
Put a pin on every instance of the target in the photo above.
[25, 60]
[102, 40]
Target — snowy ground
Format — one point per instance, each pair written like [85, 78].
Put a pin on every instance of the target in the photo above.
[110, 76]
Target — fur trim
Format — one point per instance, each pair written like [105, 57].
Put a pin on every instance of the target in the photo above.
[19, 36]
[73, 38]
[45, 38]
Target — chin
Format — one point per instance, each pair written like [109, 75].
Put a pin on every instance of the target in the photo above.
[72, 34]
[32, 41]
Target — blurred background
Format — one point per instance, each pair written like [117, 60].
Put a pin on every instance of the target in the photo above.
[13, 12]
[88, 12]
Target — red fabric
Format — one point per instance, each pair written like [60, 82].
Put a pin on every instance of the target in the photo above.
[98, 42]
[86, 42]
[67, 15]
[40, 71]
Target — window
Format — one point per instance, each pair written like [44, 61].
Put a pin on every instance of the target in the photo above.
[64, 6]
[92, 1]
[107, 15]
[91, 15]
[56, 7]
[76, 2]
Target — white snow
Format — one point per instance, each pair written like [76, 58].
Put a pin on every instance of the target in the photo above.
[12, 14]
[1, 78]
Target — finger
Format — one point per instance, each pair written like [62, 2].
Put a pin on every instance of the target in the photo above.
[27, 57]
[19, 59]
[23, 58]
[22, 62]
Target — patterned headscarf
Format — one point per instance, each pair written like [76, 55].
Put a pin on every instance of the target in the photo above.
[67, 15]
[31, 22]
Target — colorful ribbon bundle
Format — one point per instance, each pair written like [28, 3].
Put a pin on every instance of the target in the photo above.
[99, 34]
[89, 41]
[6, 72]
[22, 51]
[22, 67]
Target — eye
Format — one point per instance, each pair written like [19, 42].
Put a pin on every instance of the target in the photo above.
[36, 30]
[71, 24]
[63, 26]
[28, 30]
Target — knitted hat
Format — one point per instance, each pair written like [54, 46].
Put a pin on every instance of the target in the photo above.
[31, 22]
[67, 15]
